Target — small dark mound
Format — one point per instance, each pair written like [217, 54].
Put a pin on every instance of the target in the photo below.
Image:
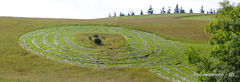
[97, 41]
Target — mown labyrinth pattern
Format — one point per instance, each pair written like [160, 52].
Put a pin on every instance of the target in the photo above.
[142, 49]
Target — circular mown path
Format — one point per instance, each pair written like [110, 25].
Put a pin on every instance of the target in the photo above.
[141, 49]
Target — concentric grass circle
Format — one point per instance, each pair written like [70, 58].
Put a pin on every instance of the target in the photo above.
[141, 48]
[58, 43]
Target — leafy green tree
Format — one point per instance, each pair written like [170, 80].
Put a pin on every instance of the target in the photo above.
[176, 10]
[225, 57]
[192, 55]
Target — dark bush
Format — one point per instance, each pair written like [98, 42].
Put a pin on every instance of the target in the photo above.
[97, 41]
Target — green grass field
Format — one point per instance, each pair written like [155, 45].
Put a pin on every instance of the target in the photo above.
[172, 32]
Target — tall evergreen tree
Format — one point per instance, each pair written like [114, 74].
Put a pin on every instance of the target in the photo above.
[121, 14]
[191, 11]
[211, 11]
[163, 11]
[214, 11]
[141, 13]
[176, 10]
[201, 10]
[132, 13]
[182, 10]
[114, 15]
[128, 14]
[150, 10]
[169, 10]
[109, 15]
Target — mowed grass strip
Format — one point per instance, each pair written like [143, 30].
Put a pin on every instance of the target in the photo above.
[208, 17]
[109, 41]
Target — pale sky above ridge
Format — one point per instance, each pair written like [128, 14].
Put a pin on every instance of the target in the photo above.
[91, 9]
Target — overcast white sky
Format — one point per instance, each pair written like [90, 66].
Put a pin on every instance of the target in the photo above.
[90, 9]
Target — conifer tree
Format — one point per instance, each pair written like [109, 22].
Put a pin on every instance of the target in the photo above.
[169, 10]
[163, 11]
[150, 10]
[191, 11]
[141, 13]
[176, 10]
[201, 10]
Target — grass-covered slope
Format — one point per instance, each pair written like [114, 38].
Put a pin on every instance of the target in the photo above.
[199, 17]
[166, 25]
[18, 64]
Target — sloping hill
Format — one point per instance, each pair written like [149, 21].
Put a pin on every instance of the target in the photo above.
[18, 64]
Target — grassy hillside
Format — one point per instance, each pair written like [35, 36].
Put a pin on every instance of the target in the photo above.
[19, 64]
[168, 26]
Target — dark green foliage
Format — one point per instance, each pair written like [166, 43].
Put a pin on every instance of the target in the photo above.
[97, 41]
[192, 55]
[95, 35]
[226, 36]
